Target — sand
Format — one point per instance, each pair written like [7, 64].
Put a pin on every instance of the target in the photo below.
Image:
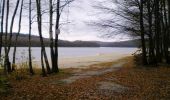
[81, 62]
[84, 62]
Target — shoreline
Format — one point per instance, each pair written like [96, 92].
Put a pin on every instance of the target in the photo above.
[85, 61]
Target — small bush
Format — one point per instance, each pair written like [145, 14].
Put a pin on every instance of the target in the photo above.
[4, 85]
[1, 63]
[21, 71]
[138, 57]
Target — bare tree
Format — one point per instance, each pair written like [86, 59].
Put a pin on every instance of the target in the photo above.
[30, 28]
[51, 33]
[12, 24]
[16, 39]
[39, 22]
[54, 50]
[7, 65]
[144, 59]
[8, 42]
[2, 24]
[57, 31]
[147, 19]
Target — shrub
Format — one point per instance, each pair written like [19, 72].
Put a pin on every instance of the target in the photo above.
[21, 71]
[138, 57]
[4, 85]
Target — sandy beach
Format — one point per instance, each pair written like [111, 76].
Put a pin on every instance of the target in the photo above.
[82, 62]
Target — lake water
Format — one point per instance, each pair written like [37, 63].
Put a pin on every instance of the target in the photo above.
[70, 52]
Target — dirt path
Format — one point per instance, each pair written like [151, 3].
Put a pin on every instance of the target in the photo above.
[104, 85]
[86, 74]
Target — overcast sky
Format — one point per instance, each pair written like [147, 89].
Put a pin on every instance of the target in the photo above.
[78, 13]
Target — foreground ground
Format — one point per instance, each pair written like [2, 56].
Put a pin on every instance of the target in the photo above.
[112, 80]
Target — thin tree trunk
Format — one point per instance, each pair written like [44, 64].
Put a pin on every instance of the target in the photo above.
[16, 39]
[56, 37]
[157, 31]
[165, 31]
[151, 46]
[51, 34]
[46, 61]
[168, 33]
[2, 24]
[38, 2]
[42, 62]
[7, 67]
[29, 49]
[8, 42]
[144, 58]
[12, 23]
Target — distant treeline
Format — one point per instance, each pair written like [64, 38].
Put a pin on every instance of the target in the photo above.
[23, 41]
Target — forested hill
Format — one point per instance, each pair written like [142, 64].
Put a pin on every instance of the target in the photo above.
[23, 41]
[129, 43]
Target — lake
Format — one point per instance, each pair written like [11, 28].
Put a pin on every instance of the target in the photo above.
[70, 53]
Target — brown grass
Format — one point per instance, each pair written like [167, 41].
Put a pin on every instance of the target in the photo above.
[151, 83]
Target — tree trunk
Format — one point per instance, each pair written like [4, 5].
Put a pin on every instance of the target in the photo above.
[42, 62]
[144, 58]
[16, 39]
[2, 24]
[51, 35]
[56, 37]
[7, 67]
[29, 48]
[12, 23]
[39, 21]
[157, 31]
[168, 36]
[46, 61]
[151, 46]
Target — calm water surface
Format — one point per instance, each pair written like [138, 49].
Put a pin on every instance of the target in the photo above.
[69, 52]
